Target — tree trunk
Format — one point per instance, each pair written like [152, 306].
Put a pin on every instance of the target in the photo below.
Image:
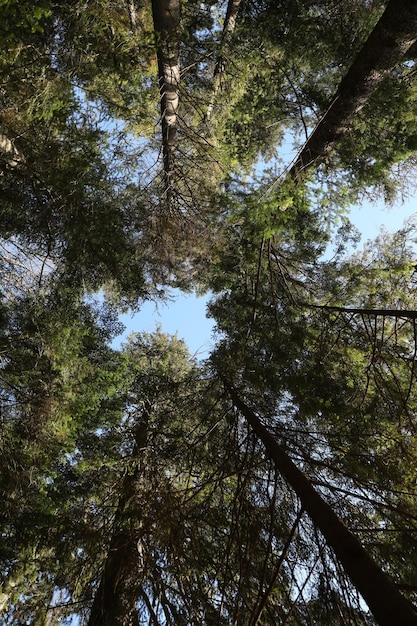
[120, 584]
[132, 16]
[392, 36]
[396, 313]
[9, 154]
[166, 19]
[219, 69]
[119, 589]
[388, 606]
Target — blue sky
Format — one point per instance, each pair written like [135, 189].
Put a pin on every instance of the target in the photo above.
[186, 314]
[369, 218]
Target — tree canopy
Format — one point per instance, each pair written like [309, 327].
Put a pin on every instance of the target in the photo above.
[142, 147]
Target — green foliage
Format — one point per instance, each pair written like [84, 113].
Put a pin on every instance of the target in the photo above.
[131, 466]
[23, 19]
[384, 134]
[58, 377]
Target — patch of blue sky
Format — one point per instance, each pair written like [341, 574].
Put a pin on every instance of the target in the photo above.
[183, 315]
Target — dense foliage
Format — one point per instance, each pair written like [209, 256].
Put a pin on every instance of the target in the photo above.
[142, 147]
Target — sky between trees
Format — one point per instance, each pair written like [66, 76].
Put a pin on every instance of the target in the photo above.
[186, 315]
[273, 480]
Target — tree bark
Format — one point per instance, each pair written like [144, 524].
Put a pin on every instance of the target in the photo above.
[387, 604]
[219, 69]
[397, 313]
[392, 36]
[132, 16]
[115, 600]
[166, 19]
[9, 154]
[119, 589]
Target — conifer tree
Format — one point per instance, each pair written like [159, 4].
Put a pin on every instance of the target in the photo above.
[133, 488]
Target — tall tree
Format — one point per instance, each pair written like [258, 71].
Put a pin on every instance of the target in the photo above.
[393, 35]
[59, 377]
[219, 69]
[381, 595]
[166, 17]
[154, 501]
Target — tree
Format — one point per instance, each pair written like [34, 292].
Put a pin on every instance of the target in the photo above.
[58, 377]
[166, 17]
[155, 501]
[370, 581]
[335, 386]
[387, 44]
[219, 68]
[162, 367]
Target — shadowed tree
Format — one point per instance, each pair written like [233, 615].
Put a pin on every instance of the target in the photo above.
[393, 35]
[383, 598]
[221, 61]
[166, 17]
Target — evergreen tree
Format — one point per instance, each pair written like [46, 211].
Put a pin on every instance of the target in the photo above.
[137, 485]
